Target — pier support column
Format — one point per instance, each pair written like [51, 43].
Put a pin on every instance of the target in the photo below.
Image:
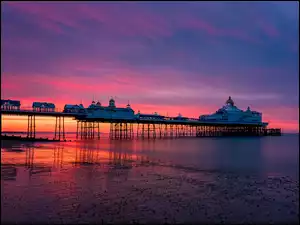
[31, 126]
[98, 130]
[59, 128]
[88, 130]
[122, 131]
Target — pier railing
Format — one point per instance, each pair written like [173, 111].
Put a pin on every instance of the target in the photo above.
[29, 110]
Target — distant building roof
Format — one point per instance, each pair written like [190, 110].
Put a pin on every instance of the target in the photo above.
[70, 106]
[43, 105]
[10, 102]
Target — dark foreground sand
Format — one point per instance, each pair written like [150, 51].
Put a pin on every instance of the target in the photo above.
[148, 194]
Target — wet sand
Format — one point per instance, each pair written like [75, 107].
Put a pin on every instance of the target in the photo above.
[176, 181]
[149, 194]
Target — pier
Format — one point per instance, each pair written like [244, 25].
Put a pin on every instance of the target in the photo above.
[124, 124]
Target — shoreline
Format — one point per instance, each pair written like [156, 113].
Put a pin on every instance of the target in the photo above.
[20, 138]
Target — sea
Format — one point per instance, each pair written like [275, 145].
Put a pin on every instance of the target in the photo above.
[181, 180]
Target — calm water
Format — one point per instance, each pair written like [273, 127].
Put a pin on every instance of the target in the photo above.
[173, 180]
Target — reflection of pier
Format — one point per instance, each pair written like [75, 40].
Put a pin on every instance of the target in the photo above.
[8, 172]
[29, 159]
[120, 155]
[86, 155]
[120, 159]
[143, 159]
[127, 160]
[31, 166]
[58, 155]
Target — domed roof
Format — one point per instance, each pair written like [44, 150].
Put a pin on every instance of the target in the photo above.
[98, 103]
[112, 103]
[93, 102]
[230, 101]
[128, 105]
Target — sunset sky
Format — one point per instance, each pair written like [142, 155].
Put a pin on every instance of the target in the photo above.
[185, 57]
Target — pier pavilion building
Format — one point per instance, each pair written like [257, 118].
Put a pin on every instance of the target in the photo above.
[96, 110]
[43, 107]
[231, 113]
[10, 104]
[69, 108]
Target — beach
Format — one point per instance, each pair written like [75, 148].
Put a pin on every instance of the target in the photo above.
[132, 182]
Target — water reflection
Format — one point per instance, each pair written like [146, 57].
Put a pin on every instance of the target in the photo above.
[88, 181]
[29, 157]
[119, 155]
[34, 167]
[58, 157]
[258, 155]
[8, 172]
[11, 146]
[238, 154]
[86, 154]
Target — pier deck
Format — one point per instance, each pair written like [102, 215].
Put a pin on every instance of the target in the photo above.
[89, 128]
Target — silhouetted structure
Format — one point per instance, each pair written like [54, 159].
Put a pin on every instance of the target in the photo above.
[10, 104]
[226, 121]
[43, 107]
